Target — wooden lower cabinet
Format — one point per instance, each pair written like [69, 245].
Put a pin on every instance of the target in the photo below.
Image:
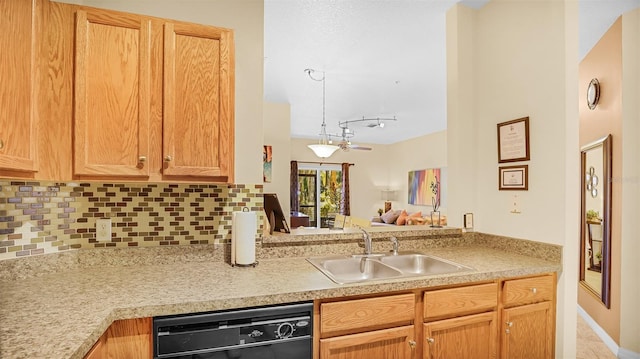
[527, 328]
[468, 337]
[528, 332]
[394, 343]
[511, 318]
[130, 338]
[367, 328]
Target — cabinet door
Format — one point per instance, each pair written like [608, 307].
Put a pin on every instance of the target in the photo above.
[528, 332]
[18, 55]
[198, 101]
[127, 338]
[394, 343]
[111, 94]
[470, 337]
[96, 350]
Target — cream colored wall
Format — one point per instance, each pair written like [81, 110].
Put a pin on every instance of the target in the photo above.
[630, 181]
[604, 62]
[461, 136]
[429, 151]
[246, 18]
[277, 129]
[504, 65]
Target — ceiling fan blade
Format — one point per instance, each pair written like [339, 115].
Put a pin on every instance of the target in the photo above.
[358, 147]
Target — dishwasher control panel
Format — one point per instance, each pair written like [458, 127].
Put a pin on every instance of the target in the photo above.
[281, 328]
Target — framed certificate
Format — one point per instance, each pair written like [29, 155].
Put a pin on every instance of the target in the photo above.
[513, 140]
[513, 178]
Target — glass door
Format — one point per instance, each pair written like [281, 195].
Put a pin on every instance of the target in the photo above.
[320, 194]
[307, 182]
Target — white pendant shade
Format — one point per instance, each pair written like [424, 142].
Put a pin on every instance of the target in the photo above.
[323, 151]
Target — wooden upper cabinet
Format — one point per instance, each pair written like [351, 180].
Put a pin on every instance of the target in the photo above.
[112, 94]
[18, 73]
[198, 101]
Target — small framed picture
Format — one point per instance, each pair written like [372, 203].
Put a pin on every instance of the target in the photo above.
[513, 177]
[513, 140]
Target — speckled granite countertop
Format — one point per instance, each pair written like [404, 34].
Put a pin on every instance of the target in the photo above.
[61, 314]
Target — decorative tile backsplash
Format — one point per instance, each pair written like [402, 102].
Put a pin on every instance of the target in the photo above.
[40, 217]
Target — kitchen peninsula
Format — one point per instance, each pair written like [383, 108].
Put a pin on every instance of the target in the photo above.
[58, 305]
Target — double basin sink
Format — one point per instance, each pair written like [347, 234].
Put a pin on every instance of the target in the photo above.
[362, 268]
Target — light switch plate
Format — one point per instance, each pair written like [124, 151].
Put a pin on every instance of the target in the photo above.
[468, 220]
[103, 229]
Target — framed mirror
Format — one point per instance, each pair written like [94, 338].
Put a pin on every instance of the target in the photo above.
[595, 229]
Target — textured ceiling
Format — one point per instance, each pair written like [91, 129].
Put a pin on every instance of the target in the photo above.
[382, 58]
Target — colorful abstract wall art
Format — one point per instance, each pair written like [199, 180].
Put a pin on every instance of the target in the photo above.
[424, 187]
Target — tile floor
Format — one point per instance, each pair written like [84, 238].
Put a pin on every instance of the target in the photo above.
[589, 345]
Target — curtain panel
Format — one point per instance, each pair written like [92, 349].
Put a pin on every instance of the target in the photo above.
[345, 203]
[293, 187]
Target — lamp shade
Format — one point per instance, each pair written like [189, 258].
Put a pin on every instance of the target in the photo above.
[388, 194]
[323, 150]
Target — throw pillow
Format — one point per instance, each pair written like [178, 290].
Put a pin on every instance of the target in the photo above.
[402, 218]
[377, 219]
[415, 218]
[390, 216]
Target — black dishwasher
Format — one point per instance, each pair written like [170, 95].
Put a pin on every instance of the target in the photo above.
[274, 332]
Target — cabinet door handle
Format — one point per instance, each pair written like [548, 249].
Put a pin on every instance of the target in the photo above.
[142, 159]
[509, 324]
[412, 344]
[168, 158]
[534, 290]
[431, 341]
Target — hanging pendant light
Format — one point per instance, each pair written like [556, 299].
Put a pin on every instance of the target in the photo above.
[323, 148]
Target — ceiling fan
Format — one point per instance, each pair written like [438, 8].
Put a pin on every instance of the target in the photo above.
[345, 144]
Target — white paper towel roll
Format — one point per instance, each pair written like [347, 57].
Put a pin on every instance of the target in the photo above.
[243, 238]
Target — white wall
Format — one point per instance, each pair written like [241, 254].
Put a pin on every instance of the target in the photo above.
[630, 181]
[246, 18]
[277, 129]
[509, 60]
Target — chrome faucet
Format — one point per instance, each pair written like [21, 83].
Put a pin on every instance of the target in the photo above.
[394, 244]
[367, 241]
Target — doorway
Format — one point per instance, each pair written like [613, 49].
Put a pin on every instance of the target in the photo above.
[319, 193]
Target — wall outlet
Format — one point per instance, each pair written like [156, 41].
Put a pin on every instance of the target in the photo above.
[515, 204]
[103, 229]
[468, 220]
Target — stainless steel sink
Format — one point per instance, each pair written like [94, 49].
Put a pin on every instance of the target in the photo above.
[422, 264]
[359, 268]
[355, 269]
